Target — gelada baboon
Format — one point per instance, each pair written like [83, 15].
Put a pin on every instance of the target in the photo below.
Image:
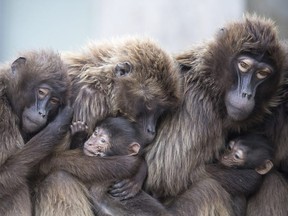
[34, 90]
[272, 198]
[241, 167]
[132, 77]
[115, 136]
[229, 84]
[106, 76]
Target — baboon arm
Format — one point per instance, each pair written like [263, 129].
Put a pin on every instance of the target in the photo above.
[96, 169]
[17, 167]
[235, 181]
[128, 188]
[15, 170]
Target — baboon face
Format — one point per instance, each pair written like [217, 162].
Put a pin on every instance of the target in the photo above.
[250, 151]
[252, 72]
[39, 87]
[250, 62]
[146, 87]
[143, 101]
[113, 136]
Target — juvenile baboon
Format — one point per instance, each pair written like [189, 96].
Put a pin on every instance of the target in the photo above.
[229, 84]
[33, 115]
[132, 77]
[114, 136]
[241, 168]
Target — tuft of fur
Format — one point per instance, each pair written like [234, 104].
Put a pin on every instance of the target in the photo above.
[195, 133]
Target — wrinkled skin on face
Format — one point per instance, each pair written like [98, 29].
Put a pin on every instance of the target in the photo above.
[98, 144]
[234, 156]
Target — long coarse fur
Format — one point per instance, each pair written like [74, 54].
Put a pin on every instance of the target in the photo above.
[194, 134]
[98, 91]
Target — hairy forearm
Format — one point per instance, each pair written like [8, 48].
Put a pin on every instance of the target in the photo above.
[96, 169]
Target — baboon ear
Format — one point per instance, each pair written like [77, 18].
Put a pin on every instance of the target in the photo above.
[134, 148]
[265, 168]
[17, 64]
[123, 69]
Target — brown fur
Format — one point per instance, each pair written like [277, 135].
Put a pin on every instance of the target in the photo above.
[194, 135]
[17, 159]
[98, 93]
[272, 198]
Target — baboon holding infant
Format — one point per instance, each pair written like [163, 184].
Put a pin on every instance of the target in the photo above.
[132, 77]
[229, 85]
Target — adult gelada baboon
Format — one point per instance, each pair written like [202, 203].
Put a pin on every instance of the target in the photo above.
[229, 84]
[33, 97]
[132, 77]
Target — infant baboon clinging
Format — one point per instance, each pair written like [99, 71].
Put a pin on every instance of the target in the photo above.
[116, 136]
[241, 168]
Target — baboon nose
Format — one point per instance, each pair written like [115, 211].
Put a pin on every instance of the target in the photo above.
[151, 131]
[42, 114]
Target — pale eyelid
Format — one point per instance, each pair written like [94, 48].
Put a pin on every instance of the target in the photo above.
[239, 153]
[266, 72]
[244, 64]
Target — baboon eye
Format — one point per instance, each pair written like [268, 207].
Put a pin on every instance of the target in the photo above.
[243, 66]
[54, 101]
[239, 154]
[262, 74]
[42, 92]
